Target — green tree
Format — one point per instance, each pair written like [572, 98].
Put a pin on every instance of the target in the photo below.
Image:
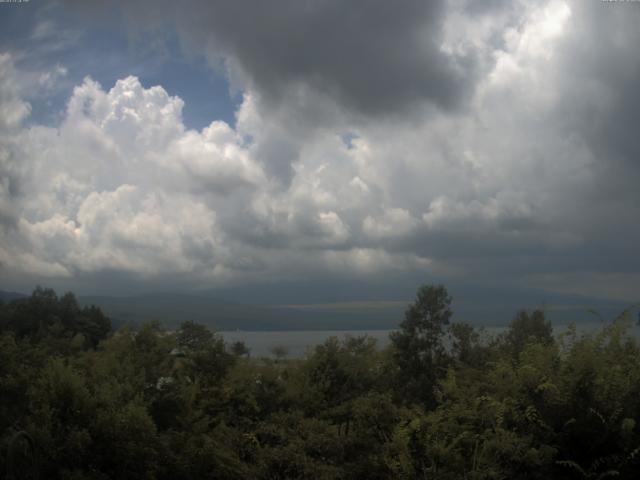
[192, 336]
[279, 351]
[418, 349]
[465, 344]
[45, 316]
[207, 358]
[240, 349]
[528, 328]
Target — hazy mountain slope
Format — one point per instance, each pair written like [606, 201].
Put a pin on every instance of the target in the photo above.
[8, 296]
[171, 309]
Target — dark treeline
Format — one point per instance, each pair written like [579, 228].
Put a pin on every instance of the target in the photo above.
[443, 401]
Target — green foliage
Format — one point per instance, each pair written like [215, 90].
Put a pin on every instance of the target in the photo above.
[80, 402]
[418, 348]
[240, 349]
[528, 328]
[45, 318]
[466, 345]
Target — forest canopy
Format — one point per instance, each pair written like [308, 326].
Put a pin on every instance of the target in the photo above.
[444, 400]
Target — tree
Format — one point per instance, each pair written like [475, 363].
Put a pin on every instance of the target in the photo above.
[465, 343]
[418, 350]
[207, 359]
[528, 328]
[45, 316]
[279, 351]
[193, 336]
[240, 349]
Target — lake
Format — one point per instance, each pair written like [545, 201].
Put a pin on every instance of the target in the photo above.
[298, 342]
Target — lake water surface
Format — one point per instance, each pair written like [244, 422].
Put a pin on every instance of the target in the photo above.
[297, 342]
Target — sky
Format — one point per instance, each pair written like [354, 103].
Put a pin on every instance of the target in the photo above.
[322, 151]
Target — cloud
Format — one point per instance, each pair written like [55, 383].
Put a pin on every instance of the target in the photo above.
[13, 109]
[392, 222]
[373, 57]
[122, 186]
[490, 145]
[112, 187]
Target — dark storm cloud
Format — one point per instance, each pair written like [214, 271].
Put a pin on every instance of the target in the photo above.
[375, 57]
[602, 52]
[600, 103]
[371, 56]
